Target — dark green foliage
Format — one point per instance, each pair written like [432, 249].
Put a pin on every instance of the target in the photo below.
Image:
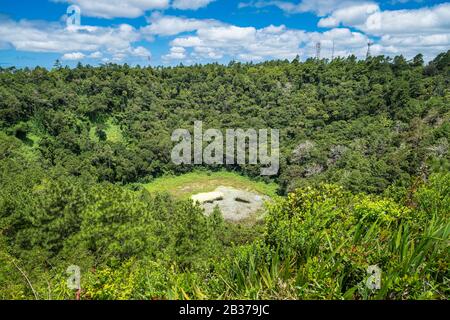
[75, 144]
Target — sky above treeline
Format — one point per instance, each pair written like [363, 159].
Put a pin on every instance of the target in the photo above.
[170, 32]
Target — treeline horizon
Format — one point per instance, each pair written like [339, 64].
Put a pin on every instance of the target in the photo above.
[59, 62]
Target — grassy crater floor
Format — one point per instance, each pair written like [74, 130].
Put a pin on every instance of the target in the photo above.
[186, 185]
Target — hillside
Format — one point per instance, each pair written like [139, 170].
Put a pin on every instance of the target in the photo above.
[86, 179]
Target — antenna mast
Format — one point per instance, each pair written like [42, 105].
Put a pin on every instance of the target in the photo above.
[318, 48]
[369, 44]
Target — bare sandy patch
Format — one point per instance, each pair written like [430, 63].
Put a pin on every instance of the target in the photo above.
[235, 204]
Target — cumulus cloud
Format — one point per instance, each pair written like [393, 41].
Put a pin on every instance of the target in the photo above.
[73, 56]
[348, 25]
[74, 41]
[324, 7]
[408, 32]
[172, 25]
[418, 21]
[372, 20]
[140, 52]
[52, 37]
[190, 4]
[109, 9]
[368, 17]
[319, 7]
[96, 55]
[211, 40]
[176, 53]
[352, 15]
[117, 8]
[410, 45]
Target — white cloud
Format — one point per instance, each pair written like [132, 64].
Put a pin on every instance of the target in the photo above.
[73, 56]
[249, 57]
[227, 34]
[424, 30]
[172, 25]
[190, 41]
[96, 55]
[207, 53]
[190, 4]
[52, 37]
[91, 41]
[117, 8]
[352, 15]
[140, 52]
[120, 56]
[410, 45]
[110, 9]
[176, 53]
[212, 42]
[418, 21]
[324, 7]
[319, 7]
[408, 32]
[368, 17]
[372, 20]
[413, 41]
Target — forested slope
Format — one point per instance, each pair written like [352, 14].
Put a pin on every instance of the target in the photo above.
[364, 149]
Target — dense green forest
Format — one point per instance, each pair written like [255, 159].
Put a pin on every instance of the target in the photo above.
[364, 180]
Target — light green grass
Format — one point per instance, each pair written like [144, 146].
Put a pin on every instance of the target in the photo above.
[196, 182]
[113, 132]
[29, 149]
[35, 138]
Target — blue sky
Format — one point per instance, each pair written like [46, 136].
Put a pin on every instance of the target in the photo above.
[169, 32]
